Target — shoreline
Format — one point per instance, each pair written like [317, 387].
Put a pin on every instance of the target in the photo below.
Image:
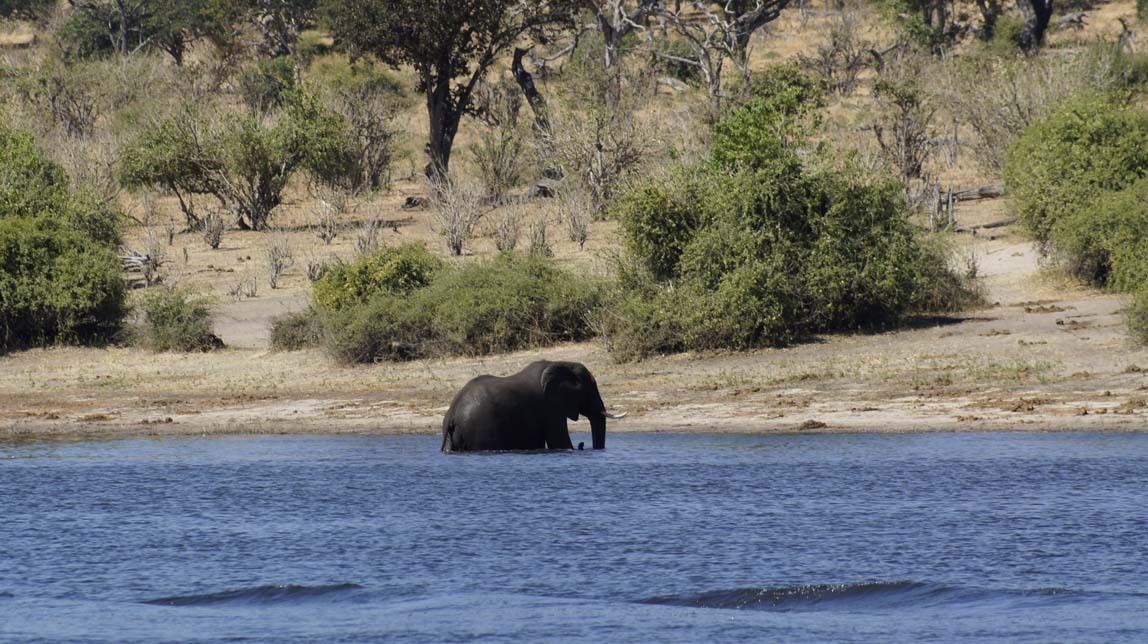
[1044, 355]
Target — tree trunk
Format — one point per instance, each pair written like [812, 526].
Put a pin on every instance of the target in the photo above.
[610, 37]
[444, 120]
[1037, 13]
[526, 82]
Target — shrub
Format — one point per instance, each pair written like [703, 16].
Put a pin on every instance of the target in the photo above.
[1000, 97]
[242, 161]
[32, 186]
[59, 274]
[85, 34]
[1136, 317]
[1062, 163]
[297, 331]
[787, 88]
[660, 218]
[671, 61]
[506, 304]
[56, 285]
[766, 129]
[368, 99]
[176, 321]
[763, 256]
[266, 84]
[1104, 241]
[392, 270]
[1005, 38]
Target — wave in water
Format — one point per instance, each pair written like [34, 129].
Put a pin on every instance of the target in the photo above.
[867, 595]
[259, 595]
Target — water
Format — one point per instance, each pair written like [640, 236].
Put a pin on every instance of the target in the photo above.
[661, 538]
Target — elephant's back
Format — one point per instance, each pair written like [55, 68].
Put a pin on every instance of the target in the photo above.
[489, 413]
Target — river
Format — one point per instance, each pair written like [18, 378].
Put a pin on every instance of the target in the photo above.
[659, 538]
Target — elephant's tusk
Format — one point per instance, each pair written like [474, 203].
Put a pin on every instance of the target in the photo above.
[614, 416]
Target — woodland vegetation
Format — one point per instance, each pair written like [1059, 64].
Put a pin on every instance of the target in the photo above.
[759, 198]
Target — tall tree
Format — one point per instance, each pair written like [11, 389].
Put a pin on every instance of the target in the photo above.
[450, 43]
[1037, 13]
[130, 25]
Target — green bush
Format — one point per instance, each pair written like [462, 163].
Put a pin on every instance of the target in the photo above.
[244, 162]
[86, 34]
[764, 131]
[32, 186]
[767, 253]
[661, 218]
[671, 56]
[505, 304]
[1105, 243]
[59, 274]
[1005, 37]
[1136, 317]
[56, 285]
[1061, 164]
[296, 331]
[368, 98]
[788, 89]
[176, 321]
[335, 73]
[392, 270]
[267, 83]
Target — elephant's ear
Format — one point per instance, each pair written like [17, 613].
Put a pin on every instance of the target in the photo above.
[561, 386]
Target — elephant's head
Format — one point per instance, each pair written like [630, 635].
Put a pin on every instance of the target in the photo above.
[572, 389]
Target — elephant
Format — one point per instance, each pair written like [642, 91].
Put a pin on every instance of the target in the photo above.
[525, 411]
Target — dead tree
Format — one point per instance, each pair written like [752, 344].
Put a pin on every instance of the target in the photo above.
[615, 21]
[716, 35]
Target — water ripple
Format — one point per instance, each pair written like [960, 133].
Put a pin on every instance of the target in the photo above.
[857, 596]
[270, 594]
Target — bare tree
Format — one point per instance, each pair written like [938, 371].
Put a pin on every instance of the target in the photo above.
[615, 20]
[717, 35]
[598, 150]
[213, 228]
[539, 244]
[457, 210]
[367, 238]
[575, 210]
[507, 228]
[279, 259]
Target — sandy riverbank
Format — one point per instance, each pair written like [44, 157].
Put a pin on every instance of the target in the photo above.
[1045, 356]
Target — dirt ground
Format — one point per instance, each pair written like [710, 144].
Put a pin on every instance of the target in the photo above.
[1044, 355]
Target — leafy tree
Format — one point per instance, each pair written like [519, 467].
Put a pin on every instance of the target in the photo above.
[450, 43]
[26, 9]
[98, 27]
[59, 273]
[1062, 163]
[242, 161]
[754, 248]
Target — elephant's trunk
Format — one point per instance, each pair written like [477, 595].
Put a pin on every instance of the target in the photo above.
[598, 430]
